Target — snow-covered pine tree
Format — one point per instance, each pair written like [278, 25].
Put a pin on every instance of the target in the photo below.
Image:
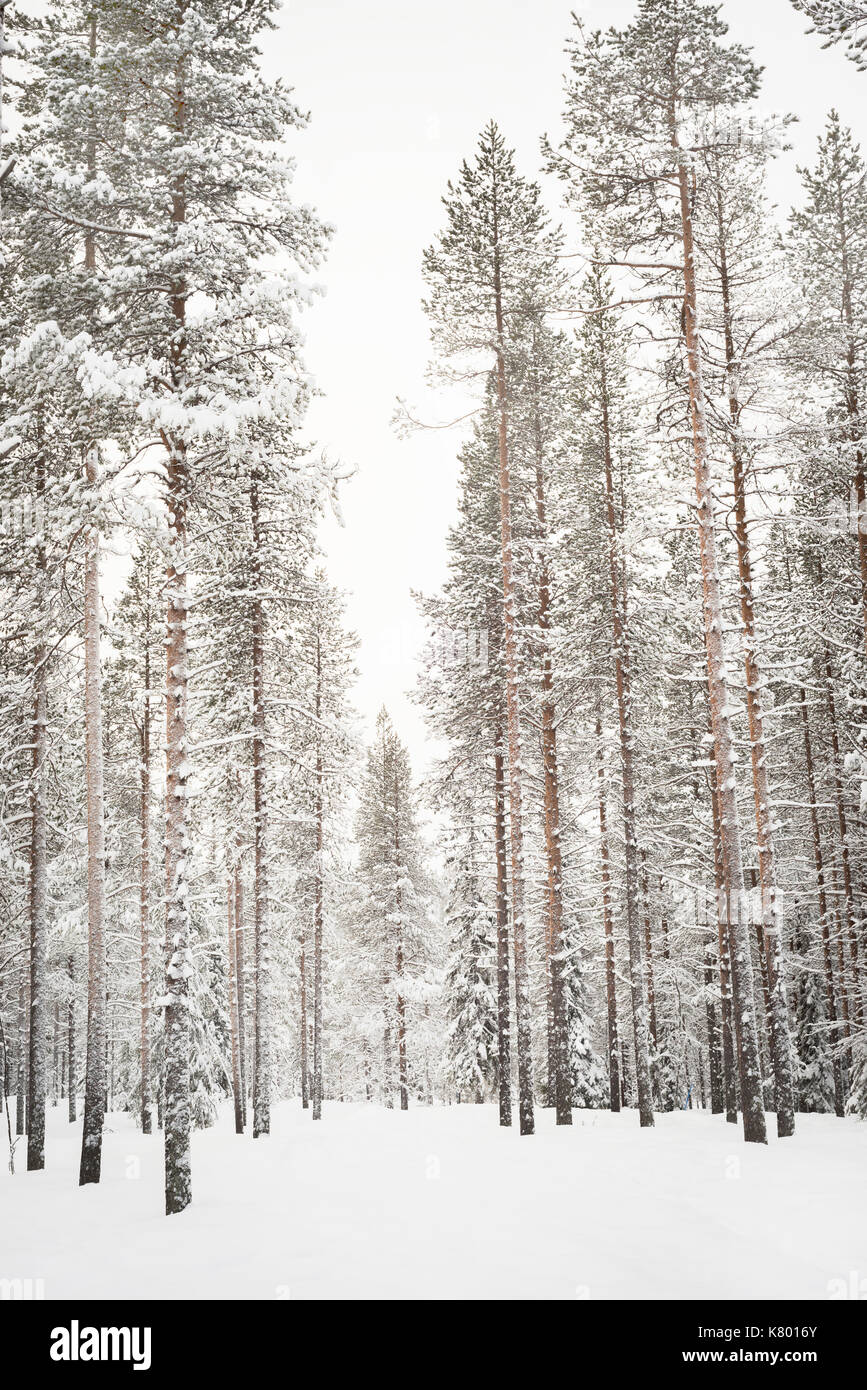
[815, 1074]
[395, 911]
[137, 636]
[829, 251]
[495, 262]
[828, 239]
[735, 246]
[197, 194]
[541, 433]
[324, 657]
[470, 982]
[641, 99]
[462, 684]
[602, 368]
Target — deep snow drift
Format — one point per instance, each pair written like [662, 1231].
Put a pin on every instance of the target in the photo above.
[440, 1203]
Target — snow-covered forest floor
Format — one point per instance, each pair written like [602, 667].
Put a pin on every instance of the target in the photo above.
[441, 1203]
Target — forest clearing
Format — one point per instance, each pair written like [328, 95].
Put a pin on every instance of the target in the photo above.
[439, 1205]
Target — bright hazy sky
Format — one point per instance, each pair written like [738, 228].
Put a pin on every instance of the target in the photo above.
[398, 93]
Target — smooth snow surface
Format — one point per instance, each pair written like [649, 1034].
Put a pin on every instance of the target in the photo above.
[440, 1203]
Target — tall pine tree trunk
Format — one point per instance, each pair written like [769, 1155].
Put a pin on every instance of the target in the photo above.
[849, 904]
[22, 1045]
[399, 961]
[819, 862]
[318, 906]
[95, 1065]
[559, 1059]
[771, 926]
[504, 1009]
[144, 894]
[231, 976]
[176, 1109]
[608, 923]
[742, 971]
[714, 1033]
[852, 389]
[305, 1060]
[241, 982]
[71, 1054]
[524, 1038]
[648, 949]
[97, 972]
[730, 1046]
[262, 1074]
[36, 1071]
[177, 1113]
[37, 1004]
[623, 682]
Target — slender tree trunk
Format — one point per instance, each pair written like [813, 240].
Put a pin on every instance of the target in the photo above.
[559, 1058]
[36, 1003]
[504, 1049]
[241, 983]
[648, 948]
[23, 1048]
[305, 1061]
[714, 1033]
[262, 1077]
[399, 963]
[144, 891]
[850, 907]
[56, 1083]
[95, 1066]
[819, 862]
[771, 925]
[71, 1054]
[742, 982]
[852, 393]
[176, 1107]
[38, 923]
[318, 906]
[95, 1079]
[524, 1038]
[231, 976]
[623, 682]
[730, 1025]
[401, 1027]
[387, 1083]
[177, 1114]
[608, 921]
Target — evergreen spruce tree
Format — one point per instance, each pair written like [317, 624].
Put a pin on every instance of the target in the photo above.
[471, 970]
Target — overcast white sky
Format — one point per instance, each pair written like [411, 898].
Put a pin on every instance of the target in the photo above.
[398, 93]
